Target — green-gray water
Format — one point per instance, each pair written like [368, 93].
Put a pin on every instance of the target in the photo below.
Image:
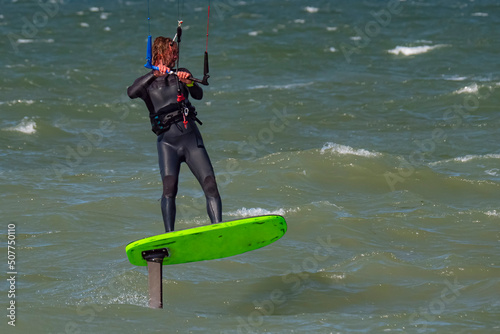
[371, 126]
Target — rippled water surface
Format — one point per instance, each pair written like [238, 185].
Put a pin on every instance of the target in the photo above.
[371, 126]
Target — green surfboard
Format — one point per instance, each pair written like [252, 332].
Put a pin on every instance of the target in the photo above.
[210, 241]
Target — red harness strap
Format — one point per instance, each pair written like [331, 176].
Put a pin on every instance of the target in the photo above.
[185, 111]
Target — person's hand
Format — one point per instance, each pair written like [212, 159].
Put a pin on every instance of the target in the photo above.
[183, 77]
[163, 69]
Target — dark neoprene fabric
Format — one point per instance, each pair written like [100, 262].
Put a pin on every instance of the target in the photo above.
[178, 144]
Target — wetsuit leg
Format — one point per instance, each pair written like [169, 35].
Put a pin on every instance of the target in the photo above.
[214, 202]
[169, 162]
[199, 162]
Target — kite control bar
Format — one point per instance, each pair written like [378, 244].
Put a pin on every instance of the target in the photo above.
[203, 81]
[149, 65]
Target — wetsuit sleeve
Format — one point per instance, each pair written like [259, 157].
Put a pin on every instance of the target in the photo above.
[195, 91]
[139, 87]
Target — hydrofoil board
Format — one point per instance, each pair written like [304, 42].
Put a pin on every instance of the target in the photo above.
[209, 242]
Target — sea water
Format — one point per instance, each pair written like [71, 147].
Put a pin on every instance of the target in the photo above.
[371, 126]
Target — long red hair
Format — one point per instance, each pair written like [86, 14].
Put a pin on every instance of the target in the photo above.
[164, 50]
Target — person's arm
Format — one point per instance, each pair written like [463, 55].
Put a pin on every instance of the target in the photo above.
[195, 90]
[138, 88]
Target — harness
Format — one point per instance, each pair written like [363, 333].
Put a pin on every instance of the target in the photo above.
[163, 120]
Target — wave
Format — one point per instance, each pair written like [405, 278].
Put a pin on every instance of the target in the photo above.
[467, 158]
[493, 213]
[282, 87]
[29, 40]
[343, 149]
[414, 50]
[27, 126]
[252, 212]
[255, 33]
[474, 157]
[492, 172]
[13, 102]
[454, 78]
[310, 9]
[472, 89]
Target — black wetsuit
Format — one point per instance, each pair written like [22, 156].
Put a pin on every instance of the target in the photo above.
[177, 142]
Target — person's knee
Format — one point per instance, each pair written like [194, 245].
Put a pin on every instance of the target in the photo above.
[170, 186]
[210, 187]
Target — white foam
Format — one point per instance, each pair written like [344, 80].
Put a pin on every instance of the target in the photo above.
[474, 156]
[27, 126]
[251, 212]
[494, 213]
[344, 150]
[28, 40]
[472, 89]
[332, 49]
[282, 87]
[454, 78]
[331, 28]
[465, 158]
[26, 102]
[311, 9]
[492, 172]
[414, 50]
[25, 40]
[480, 14]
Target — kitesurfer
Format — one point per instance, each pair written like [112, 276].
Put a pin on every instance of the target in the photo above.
[173, 120]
